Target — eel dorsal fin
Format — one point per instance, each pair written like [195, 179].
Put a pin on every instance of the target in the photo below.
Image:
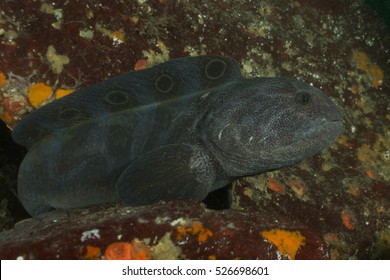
[129, 91]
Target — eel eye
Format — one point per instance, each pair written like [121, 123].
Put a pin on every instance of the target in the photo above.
[302, 97]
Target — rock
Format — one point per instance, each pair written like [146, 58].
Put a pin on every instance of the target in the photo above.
[161, 231]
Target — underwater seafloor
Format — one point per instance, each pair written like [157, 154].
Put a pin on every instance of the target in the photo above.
[332, 206]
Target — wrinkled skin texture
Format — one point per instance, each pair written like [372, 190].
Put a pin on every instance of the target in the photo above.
[178, 130]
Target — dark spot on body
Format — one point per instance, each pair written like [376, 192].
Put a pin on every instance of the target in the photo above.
[69, 114]
[116, 97]
[215, 69]
[164, 83]
[117, 100]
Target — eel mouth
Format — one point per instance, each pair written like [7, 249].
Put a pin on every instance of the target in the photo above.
[322, 129]
[334, 127]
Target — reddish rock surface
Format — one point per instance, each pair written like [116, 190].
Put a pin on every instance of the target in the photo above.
[174, 230]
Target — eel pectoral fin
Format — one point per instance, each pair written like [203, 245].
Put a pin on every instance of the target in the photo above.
[170, 172]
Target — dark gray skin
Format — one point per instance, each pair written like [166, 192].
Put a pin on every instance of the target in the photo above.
[177, 130]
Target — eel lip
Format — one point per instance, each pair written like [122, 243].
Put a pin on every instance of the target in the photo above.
[336, 125]
[323, 127]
